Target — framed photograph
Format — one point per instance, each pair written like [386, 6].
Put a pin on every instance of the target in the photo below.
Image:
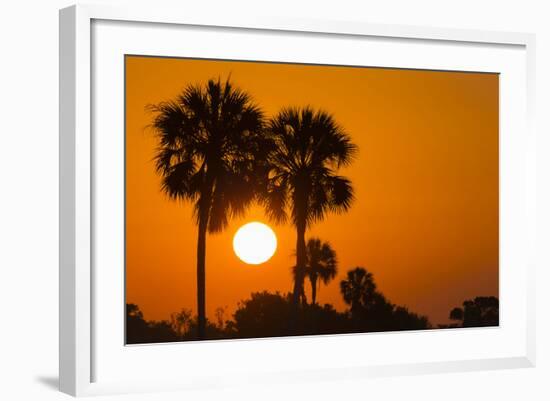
[269, 199]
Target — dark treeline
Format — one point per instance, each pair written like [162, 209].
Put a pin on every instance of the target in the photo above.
[479, 312]
[267, 314]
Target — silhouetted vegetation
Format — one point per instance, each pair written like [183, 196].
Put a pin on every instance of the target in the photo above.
[267, 314]
[369, 308]
[480, 312]
[139, 330]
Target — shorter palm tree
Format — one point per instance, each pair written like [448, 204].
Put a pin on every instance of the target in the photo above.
[321, 266]
[358, 288]
[370, 309]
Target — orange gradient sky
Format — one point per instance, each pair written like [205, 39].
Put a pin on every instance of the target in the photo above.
[425, 218]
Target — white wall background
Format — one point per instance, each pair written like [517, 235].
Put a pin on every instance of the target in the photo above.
[29, 197]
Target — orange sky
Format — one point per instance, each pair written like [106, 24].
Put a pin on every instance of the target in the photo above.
[425, 218]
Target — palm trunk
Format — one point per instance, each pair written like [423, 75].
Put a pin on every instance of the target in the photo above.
[300, 269]
[300, 261]
[204, 204]
[313, 290]
[201, 278]
[204, 216]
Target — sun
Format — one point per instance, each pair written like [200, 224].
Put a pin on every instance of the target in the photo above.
[254, 243]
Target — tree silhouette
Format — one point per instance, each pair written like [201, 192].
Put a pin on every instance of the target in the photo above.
[210, 146]
[321, 265]
[266, 314]
[140, 331]
[403, 319]
[482, 311]
[358, 289]
[263, 315]
[309, 148]
[371, 311]
[182, 321]
[137, 329]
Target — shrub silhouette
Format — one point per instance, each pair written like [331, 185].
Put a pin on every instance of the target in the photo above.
[263, 315]
[479, 312]
[140, 331]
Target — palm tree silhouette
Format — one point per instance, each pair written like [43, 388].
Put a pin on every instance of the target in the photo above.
[358, 288]
[321, 265]
[309, 148]
[210, 146]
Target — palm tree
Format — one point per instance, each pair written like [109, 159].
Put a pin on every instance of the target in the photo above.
[309, 148]
[210, 146]
[321, 265]
[358, 288]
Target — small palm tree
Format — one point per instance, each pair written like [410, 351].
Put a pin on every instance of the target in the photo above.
[358, 288]
[321, 265]
[303, 182]
[370, 309]
[210, 150]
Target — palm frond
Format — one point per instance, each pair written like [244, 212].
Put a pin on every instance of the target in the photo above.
[176, 180]
[340, 193]
[274, 198]
[309, 147]
[212, 149]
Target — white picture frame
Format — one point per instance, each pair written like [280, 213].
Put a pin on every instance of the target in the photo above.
[79, 317]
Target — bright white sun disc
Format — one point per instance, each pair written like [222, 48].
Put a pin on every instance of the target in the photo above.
[254, 243]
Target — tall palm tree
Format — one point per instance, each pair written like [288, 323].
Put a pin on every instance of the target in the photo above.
[210, 146]
[309, 149]
[321, 265]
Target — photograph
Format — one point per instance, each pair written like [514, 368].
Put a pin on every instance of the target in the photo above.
[272, 199]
